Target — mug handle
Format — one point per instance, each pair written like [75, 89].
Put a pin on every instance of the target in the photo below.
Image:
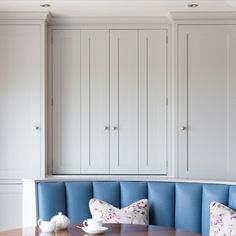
[85, 223]
[39, 222]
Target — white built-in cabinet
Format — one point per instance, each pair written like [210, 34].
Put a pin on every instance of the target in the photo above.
[95, 116]
[207, 101]
[124, 101]
[22, 109]
[19, 101]
[66, 101]
[10, 205]
[109, 101]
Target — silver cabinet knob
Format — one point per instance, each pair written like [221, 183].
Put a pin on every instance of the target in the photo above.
[106, 128]
[37, 127]
[183, 128]
[114, 128]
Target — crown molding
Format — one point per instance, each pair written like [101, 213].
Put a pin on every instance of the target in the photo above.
[214, 16]
[25, 16]
[108, 20]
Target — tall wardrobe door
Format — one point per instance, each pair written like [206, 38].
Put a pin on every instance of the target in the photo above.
[152, 102]
[207, 110]
[66, 102]
[95, 101]
[20, 101]
[124, 101]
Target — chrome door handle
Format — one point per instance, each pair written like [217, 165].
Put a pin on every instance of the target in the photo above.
[37, 127]
[106, 128]
[183, 128]
[114, 128]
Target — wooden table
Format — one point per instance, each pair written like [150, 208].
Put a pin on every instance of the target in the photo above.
[114, 230]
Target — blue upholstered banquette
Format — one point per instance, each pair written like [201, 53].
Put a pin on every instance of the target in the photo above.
[176, 204]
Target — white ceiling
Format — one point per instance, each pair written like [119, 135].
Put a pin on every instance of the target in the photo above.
[82, 8]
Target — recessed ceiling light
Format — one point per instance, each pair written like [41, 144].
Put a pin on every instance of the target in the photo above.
[193, 5]
[45, 5]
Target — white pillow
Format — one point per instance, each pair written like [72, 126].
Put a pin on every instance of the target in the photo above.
[136, 213]
[222, 220]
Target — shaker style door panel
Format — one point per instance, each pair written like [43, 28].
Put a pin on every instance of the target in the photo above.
[207, 110]
[20, 101]
[109, 101]
[124, 101]
[95, 101]
[152, 102]
[66, 102]
[11, 206]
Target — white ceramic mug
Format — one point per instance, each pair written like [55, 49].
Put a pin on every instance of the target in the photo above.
[46, 226]
[94, 224]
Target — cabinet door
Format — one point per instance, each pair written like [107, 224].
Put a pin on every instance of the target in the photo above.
[124, 101]
[66, 102]
[11, 206]
[152, 101]
[20, 101]
[207, 101]
[95, 101]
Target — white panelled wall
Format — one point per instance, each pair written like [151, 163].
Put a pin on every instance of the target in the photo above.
[115, 123]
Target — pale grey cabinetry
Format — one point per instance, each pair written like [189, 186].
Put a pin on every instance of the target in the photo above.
[66, 101]
[80, 101]
[138, 82]
[95, 101]
[109, 101]
[153, 70]
[19, 101]
[10, 205]
[206, 101]
[124, 101]
[22, 109]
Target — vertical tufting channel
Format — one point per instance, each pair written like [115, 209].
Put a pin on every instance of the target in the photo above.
[188, 202]
[78, 195]
[108, 191]
[132, 192]
[232, 197]
[162, 203]
[212, 192]
[51, 199]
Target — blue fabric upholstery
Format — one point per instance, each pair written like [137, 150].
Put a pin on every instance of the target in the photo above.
[232, 197]
[78, 195]
[132, 192]
[212, 192]
[181, 205]
[52, 199]
[188, 198]
[162, 203]
[107, 191]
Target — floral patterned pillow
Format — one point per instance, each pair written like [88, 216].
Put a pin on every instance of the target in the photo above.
[136, 213]
[222, 220]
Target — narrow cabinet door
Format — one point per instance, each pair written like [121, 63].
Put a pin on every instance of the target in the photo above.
[95, 101]
[19, 102]
[124, 101]
[207, 108]
[66, 102]
[152, 101]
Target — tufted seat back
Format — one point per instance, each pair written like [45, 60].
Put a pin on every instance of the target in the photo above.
[180, 205]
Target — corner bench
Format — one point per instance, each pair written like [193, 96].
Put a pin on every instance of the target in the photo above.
[183, 205]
